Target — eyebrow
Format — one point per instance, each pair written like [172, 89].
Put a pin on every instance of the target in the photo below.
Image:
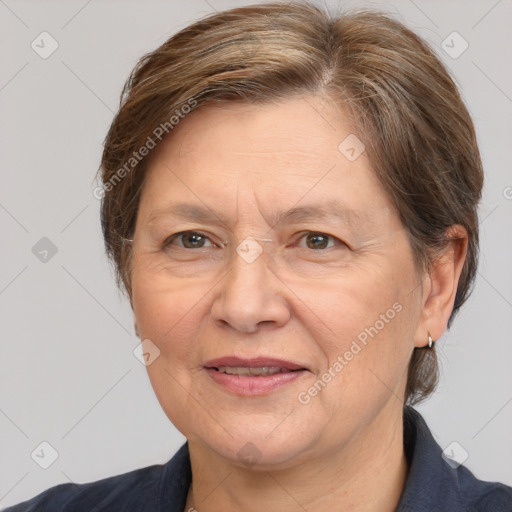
[331, 210]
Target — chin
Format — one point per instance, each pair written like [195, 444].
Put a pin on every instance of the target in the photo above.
[257, 450]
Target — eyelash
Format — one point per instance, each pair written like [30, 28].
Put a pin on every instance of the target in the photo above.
[170, 239]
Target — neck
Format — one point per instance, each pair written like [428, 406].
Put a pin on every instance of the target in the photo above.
[366, 476]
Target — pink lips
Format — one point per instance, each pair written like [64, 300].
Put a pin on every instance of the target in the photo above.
[249, 385]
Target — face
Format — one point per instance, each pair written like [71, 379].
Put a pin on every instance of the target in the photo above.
[275, 282]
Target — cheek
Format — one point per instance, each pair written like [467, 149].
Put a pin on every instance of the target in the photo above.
[364, 325]
[169, 313]
[340, 310]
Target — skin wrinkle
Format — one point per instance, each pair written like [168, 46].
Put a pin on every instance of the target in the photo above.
[350, 221]
[293, 303]
[372, 216]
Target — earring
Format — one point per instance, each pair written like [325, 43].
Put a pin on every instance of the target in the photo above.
[430, 340]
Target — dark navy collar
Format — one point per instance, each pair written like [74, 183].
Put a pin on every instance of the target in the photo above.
[175, 482]
[431, 484]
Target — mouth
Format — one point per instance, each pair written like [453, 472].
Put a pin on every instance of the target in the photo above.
[253, 377]
[253, 371]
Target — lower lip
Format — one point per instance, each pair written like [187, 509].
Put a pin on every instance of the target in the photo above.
[253, 386]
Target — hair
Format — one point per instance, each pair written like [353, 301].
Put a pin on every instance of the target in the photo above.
[418, 134]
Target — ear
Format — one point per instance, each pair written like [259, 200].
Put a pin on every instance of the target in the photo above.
[440, 286]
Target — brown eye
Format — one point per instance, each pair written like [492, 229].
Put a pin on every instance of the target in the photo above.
[193, 240]
[317, 241]
[188, 240]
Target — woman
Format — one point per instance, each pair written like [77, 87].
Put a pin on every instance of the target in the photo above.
[290, 202]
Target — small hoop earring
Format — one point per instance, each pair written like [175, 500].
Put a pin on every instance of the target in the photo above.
[430, 341]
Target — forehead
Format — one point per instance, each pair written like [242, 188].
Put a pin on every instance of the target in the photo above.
[286, 154]
[300, 128]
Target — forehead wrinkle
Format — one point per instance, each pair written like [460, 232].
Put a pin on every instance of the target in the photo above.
[331, 210]
[187, 211]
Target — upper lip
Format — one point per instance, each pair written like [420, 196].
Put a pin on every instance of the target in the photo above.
[254, 362]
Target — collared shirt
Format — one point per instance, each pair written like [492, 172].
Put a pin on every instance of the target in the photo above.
[432, 485]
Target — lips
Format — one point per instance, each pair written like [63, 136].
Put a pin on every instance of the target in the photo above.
[252, 371]
[255, 376]
[258, 365]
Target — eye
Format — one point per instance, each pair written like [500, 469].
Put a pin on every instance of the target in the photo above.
[189, 240]
[317, 240]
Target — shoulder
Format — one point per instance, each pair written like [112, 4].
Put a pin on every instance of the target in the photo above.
[142, 490]
[436, 483]
[482, 496]
[98, 496]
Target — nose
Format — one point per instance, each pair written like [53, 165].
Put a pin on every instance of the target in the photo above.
[250, 296]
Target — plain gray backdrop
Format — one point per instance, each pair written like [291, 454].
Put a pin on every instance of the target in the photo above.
[69, 375]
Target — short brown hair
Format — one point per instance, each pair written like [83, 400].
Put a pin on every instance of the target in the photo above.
[407, 110]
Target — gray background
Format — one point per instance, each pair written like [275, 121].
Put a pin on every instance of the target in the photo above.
[69, 376]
